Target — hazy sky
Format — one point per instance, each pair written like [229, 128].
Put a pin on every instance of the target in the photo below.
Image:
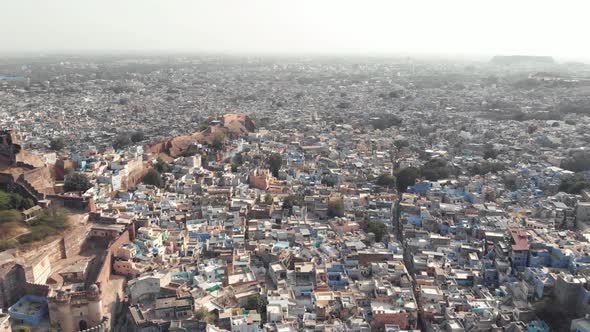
[542, 27]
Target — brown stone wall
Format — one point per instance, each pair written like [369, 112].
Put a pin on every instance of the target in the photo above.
[105, 271]
[51, 249]
[36, 289]
[368, 258]
[75, 242]
[73, 202]
[11, 284]
[60, 168]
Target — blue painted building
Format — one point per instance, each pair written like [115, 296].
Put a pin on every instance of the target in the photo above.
[420, 188]
[30, 309]
[537, 326]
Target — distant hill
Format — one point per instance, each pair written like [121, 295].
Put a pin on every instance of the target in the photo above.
[232, 125]
[521, 59]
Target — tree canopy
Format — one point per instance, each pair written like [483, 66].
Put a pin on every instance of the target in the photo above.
[161, 166]
[407, 177]
[486, 167]
[57, 143]
[377, 228]
[385, 180]
[10, 215]
[275, 161]
[218, 141]
[137, 136]
[489, 152]
[573, 184]
[9, 201]
[49, 223]
[122, 141]
[292, 200]
[436, 169]
[336, 208]
[77, 182]
[204, 315]
[153, 177]
[268, 199]
[577, 162]
[401, 143]
[384, 121]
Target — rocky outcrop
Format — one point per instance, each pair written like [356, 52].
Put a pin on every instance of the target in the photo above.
[232, 125]
[22, 171]
[238, 124]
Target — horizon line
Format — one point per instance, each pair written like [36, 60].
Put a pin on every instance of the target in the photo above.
[345, 54]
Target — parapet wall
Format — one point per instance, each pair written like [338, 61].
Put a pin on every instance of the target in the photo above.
[105, 270]
[102, 327]
[36, 289]
[73, 202]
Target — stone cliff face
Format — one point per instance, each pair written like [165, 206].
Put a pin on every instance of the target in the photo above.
[233, 125]
[238, 123]
[23, 171]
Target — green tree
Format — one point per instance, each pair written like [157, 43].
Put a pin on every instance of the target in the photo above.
[161, 166]
[137, 136]
[204, 315]
[257, 303]
[7, 244]
[435, 169]
[486, 167]
[77, 182]
[27, 203]
[377, 228]
[275, 160]
[6, 201]
[288, 203]
[153, 178]
[218, 141]
[268, 199]
[407, 177]
[238, 159]
[10, 215]
[578, 162]
[489, 152]
[401, 143]
[385, 120]
[9, 201]
[292, 200]
[190, 151]
[49, 223]
[510, 182]
[17, 201]
[336, 208]
[122, 141]
[385, 180]
[56, 144]
[531, 129]
[54, 218]
[573, 184]
[203, 126]
[330, 180]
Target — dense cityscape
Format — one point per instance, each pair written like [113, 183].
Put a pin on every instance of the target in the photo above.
[247, 194]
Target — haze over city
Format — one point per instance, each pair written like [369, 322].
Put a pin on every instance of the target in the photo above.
[294, 166]
[450, 27]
